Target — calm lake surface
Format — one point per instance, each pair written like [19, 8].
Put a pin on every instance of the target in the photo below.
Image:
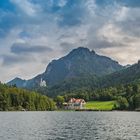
[69, 125]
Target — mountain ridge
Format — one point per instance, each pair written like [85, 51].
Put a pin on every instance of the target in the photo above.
[78, 63]
[126, 76]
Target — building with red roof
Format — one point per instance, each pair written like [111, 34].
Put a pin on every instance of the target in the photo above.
[76, 103]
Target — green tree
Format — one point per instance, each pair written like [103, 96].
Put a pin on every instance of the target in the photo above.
[136, 101]
[59, 101]
[122, 103]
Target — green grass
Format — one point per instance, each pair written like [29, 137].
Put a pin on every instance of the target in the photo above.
[100, 105]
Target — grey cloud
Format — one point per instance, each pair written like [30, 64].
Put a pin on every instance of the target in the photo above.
[72, 13]
[103, 42]
[8, 60]
[99, 44]
[131, 27]
[130, 23]
[22, 48]
[67, 47]
[130, 3]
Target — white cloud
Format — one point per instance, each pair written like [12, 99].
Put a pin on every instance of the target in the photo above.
[26, 6]
[124, 47]
[6, 42]
[126, 55]
[111, 34]
[121, 14]
[62, 3]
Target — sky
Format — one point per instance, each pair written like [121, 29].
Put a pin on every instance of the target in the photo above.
[34, 32]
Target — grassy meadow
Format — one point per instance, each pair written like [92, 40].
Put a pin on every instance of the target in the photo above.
[100, 105]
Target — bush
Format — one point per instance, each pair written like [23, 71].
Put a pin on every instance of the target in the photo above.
[121, 103]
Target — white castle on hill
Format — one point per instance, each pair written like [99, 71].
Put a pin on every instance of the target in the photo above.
[42, 83]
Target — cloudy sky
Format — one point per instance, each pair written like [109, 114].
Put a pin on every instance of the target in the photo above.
[33, 32]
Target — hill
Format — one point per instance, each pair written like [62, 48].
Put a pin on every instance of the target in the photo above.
[124, 76]
[13, 98]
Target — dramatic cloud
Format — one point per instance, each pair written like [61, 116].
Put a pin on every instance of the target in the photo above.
[27, 7]
[33, 32]
[15, 59]
[22, 48]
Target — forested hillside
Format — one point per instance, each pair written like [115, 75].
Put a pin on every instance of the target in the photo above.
[125, 76]
[12, 98]
[127, 97]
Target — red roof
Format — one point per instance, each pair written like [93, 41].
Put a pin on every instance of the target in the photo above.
[73, 100]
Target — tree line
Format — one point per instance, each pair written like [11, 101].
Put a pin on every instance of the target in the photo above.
[13, 98]
[127, 97]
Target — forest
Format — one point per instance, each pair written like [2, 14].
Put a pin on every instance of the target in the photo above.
[127, 97]
[13, 99]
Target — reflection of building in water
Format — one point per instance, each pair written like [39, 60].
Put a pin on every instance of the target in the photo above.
[42, 83]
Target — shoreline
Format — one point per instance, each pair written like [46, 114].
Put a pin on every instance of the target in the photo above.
[77, 110]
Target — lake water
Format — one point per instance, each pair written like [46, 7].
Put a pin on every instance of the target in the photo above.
[69, 125]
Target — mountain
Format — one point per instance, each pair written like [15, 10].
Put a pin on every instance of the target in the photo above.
[29, 84]
[127, 75]
[80, 62]
[124, 76]
[18, 82]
